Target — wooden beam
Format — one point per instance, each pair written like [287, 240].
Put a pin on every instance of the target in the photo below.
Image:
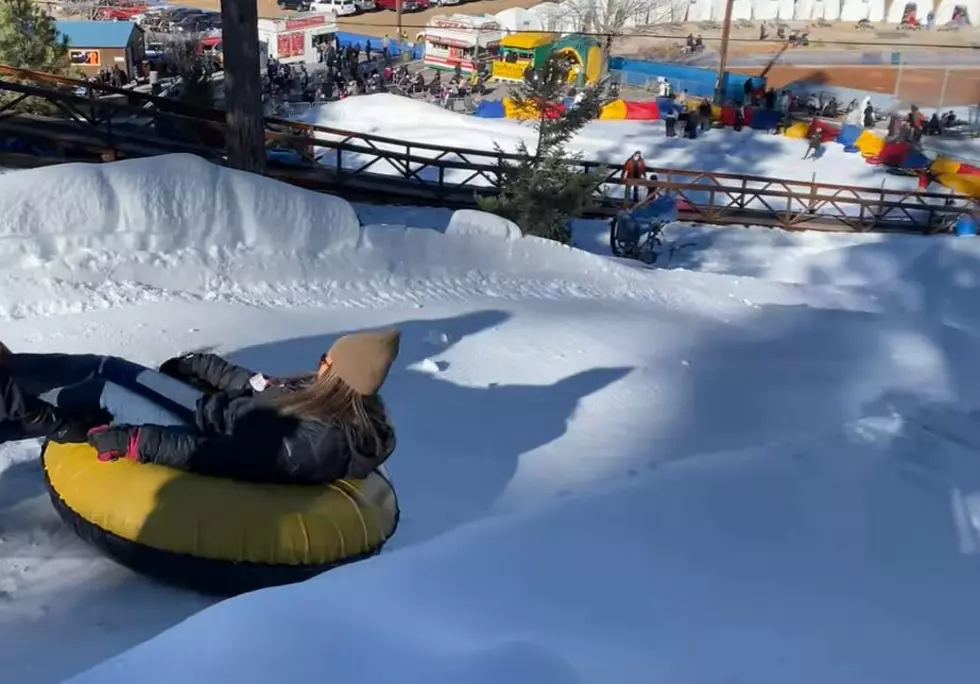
[245, 142]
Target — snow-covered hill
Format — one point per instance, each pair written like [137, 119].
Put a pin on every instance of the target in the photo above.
[757, 464]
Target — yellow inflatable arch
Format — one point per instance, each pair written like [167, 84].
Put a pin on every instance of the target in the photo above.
[215, 535]
[592, 65]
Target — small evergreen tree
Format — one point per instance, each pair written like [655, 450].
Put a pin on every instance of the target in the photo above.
[542, 192]
[29, 40]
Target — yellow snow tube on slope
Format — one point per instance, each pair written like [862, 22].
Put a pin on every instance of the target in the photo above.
[216, 535]
[962, 183]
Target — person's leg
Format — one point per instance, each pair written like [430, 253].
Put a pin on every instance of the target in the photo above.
[37, 374]
[167, 394]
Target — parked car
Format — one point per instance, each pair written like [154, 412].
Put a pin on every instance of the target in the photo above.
[295, 5]
[407, 5]
[343, 8]
[366, 5]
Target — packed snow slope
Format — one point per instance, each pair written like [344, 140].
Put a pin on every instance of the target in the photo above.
[759, 463]
[746, 152]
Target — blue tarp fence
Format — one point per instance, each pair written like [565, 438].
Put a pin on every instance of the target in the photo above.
[697, 81]
[346, 38]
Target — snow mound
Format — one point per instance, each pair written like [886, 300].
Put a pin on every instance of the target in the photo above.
[849, 544]
[164, 204]
[471, 222]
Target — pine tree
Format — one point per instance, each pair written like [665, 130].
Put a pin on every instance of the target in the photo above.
[29, 40]
[542, 192]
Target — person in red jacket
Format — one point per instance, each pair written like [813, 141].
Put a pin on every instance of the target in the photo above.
[636, 168]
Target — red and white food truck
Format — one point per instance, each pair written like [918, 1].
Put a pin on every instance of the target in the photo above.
[294, 39]
[461, 39]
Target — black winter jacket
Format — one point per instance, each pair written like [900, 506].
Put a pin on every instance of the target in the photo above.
[240, 434]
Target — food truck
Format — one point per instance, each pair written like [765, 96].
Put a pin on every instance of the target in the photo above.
[293, 39]
[461, 39]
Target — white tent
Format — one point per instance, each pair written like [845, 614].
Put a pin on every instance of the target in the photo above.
[897, 10]
[770, 10]
[856, 10]
[741, 9]
[701, 10]
[818, 9]
[945, 12]
[553, 17]
[519, 19]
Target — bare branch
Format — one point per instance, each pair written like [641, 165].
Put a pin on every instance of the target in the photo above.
[613, 16]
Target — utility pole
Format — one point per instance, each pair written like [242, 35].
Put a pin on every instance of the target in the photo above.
[726, 32]
[398, 19]
[245, 122]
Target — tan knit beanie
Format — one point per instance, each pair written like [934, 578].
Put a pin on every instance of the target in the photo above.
[362, 360]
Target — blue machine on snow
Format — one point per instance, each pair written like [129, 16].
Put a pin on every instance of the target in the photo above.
[635, 233]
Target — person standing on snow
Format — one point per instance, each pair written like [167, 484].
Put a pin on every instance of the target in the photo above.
[670, 120]
[635, 168]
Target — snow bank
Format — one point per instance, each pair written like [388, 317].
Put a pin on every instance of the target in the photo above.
[845, 558]
[163, 204]
[80, 236]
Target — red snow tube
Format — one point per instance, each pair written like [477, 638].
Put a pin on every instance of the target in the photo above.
[893, 153]
[828, 132]
[728, 115]
[969, 170]
[642, 111]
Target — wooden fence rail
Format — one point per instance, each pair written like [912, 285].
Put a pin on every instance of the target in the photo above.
[83, 123]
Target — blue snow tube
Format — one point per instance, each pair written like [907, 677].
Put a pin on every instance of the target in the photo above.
[765, 119]
[849, 134]
[966, 226]
[490, 109]
[915, 159]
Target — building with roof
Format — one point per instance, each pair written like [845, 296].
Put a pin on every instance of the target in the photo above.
[96, 45]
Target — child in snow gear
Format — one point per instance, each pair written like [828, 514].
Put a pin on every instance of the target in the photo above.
[635, 167]
[739, 116]
[228, 421]
[670, 120]
[815, 143]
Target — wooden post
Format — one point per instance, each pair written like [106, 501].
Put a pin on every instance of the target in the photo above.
[245, 143]
[726, 32]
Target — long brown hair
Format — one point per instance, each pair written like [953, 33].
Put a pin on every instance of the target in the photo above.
[328, 398]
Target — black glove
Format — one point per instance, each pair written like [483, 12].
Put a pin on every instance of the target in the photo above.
[115, 442]
[170, 367]
[73, 427]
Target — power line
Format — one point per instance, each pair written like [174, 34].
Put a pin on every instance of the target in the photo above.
[643, 34]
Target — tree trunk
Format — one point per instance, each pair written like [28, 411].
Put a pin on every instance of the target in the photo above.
[245, 142]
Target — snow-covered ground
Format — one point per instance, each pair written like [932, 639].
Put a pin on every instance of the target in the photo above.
[747, 152]
[759, 464]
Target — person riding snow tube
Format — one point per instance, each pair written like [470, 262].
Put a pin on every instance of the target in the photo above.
[197, 479]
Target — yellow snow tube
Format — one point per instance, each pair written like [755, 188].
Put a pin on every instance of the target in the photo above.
[216, 535]
[869, 143]
[962, 183]
[797, 129]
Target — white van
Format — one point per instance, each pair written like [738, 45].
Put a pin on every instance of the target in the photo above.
[343, 8]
